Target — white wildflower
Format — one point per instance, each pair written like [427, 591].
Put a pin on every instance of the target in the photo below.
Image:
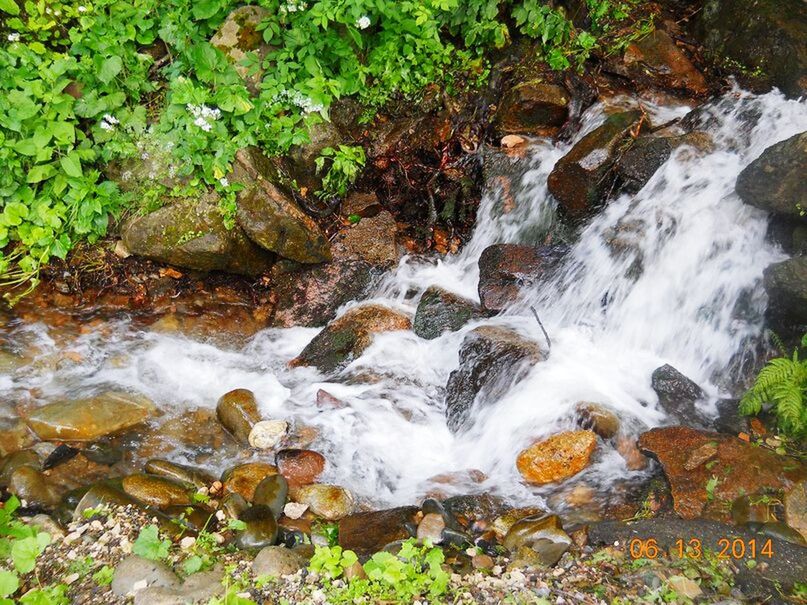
[145, 155]
[203, 124]
[363, 22]
[106, 126]
[126, 175]
[109, 122]
[204, 115]
[14, 37]
[224, 182]
[82, 9]
[111, 119]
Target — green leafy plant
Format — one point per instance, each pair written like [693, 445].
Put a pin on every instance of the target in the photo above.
[346, 163]
[103, 577]
[20, 546]
[414, 572]
[149, 545]
[782, 385]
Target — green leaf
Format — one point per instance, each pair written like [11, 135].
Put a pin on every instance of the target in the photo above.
[149, 545]
[24, 552]
[9, 583]
[41, 172]
[71, 164]
[10, 7]
[110, 68]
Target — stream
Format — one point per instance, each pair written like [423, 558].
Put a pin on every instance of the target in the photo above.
[670, 275]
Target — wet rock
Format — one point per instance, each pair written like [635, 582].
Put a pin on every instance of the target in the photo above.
[194, 518]
[701, 455]
[542, 533]
[677, 394]
[267, 434]
[99, 496]
[23, 458]
[103, 453]
[533, 107]
[238, 36]
[505, 270]
[368, 533]
[775, 180]
[196, 430]
[580, 180]
[178, 472]
[759, 37]
[277, 561]
[261, 528]
[14, 436]
[430, 528]
[657, 55]
[751, 509]
[468, 509]
[738, 468]
[238, 412]
[786, 286]
[795, 502]
[272, 491]
[779, 530]
[32, 486]
[502, 524]
[310, 295]
[233, 505]
[300, 161]
[557, 458]
[244, 478]
[270, 217]
[492, 359]
[156, 491]
[330, 502]
[135, 573]
[597, 418]
[299, 466]
[372, 238]
[441, 311]
[89, 419]
[345, 338]
[191, 234]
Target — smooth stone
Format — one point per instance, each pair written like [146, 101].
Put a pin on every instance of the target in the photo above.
[101, 495]
[441, 311]
[201, 587]
[156, 491]
[544, 534]
[31, 486]
[234, 504]
[430, 528]
[471, 508]
[300, 466]
[598, 418]
[330, 502]
[268, 434]
[502, 524]
[261, 528]
[14, 436]
[102, 453]
[533, 107]
[244, 478]
[179, 472]
[272, 491]
[368, 532]
[23, 458]
[91, 418]
[557, 458]
[779, 530]
[237, 411]
[277, 561]
[134, 569]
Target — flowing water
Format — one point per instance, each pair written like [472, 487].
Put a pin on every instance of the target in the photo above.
[669, 275]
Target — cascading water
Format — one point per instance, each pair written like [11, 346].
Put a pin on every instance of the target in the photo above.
[669, 275]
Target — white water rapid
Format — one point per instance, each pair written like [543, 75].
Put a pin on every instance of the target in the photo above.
[681, 287]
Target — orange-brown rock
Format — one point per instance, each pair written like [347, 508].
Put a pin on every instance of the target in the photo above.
[244, 478]
[299, 466]
[156, 491]
[557, 458]
[736, 468]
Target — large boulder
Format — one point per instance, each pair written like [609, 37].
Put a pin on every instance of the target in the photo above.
[191, 234]
[580, 180]
[678, 396]
[91, 418]
[441, 311]
[492, 359]
[775, 181]
[269, 216]
[786, 286]
[506, 269]
[658, 57]
[346, 338]
[708, 471]
[533, 107]
[557, 458]
[764, 37]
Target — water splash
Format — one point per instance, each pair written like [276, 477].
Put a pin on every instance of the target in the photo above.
[669, 275]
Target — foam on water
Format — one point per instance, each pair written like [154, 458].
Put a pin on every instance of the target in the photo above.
[670, 275]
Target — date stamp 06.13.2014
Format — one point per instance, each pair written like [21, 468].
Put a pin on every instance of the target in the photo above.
[695, 548]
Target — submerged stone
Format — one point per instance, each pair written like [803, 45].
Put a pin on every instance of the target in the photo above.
[441, 311]
[91, 418]
[300, 466]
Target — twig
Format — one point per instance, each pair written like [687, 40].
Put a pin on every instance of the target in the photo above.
[538, 319]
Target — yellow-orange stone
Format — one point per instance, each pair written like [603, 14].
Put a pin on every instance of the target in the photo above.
[557, 458]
